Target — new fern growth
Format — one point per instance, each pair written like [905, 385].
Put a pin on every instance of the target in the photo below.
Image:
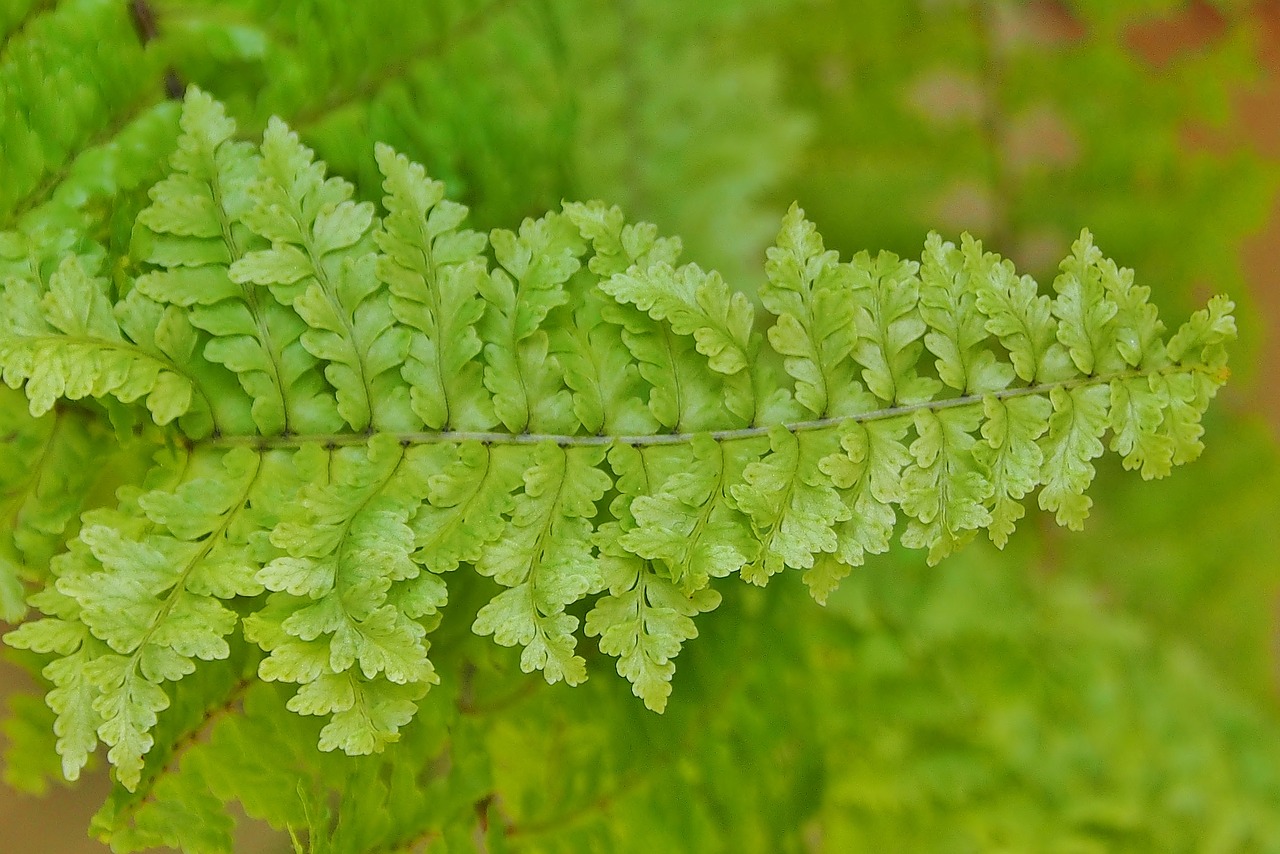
[352, 409]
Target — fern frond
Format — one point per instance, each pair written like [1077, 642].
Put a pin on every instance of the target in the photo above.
[174, 809]
[470, 494]
[957, 332]
[544, 557]
[148, 585]
[46, 472]
[809, 292]
[193, 233]
[793, 507]
[572, 415]
[66, 343]
[636, 268]
[647, 615]
[686, 520]
[63, 92]
[346, 619]
[533, 266]
[320, 264]
[869, 476]
[435, 273]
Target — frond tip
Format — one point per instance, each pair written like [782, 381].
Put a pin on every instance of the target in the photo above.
[366, 401]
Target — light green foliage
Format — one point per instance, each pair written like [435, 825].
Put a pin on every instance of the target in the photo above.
[859, 700]
[791, 505]
[809, 292]
[1012, 455]
[197, 230]
[944, 487]
[348, 530]
[869, 472]
[469, 496]
[529, 281]
[890, 326]
[648, 614]
[382, 436]
[544, 558]
[687, 520]
[319, 265]
[947, 301]
[60, 92]
[145, 583]
[435, 272]
[695, 303]
[346, 618]
[1019, 316]
[64, 341]
[45, 476]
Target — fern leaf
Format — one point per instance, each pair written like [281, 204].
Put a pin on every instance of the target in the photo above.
[606, 386]
[627, 258]
[320, 265]
[957, 332]
[545, 560]
[1012, 457]
[696, 303]
[434, 271]
[469, 495]
[618, 245]
[1019, 315]
[1137, 414]
[945, 489]
[890, 327]
[701, 305]
[534, 265]
[868, 472]
[73, 694]
[1137, 322]
[66, 343]
[687, 522]
[685, 395]
[646, 617]
[47, 471]
[809, 292]
[1085, 315]
[197, 233]
[1205, 335]
[168, 334]
[1074, 439]
[149, 588]
[73, 699]
[153, 814]
[792, 506]
[331, 625]
[359, 405]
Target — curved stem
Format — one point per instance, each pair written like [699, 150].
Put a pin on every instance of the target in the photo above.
[264, 443]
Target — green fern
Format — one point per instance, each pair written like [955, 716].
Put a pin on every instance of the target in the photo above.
[355, 404]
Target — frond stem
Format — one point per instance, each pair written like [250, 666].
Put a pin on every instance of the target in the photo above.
[265, 443]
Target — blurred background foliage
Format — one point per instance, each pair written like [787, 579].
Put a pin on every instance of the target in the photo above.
[1116, 690]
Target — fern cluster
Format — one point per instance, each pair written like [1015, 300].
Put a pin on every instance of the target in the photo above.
[356, 401]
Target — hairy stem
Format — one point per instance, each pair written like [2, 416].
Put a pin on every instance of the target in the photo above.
[264, 443]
